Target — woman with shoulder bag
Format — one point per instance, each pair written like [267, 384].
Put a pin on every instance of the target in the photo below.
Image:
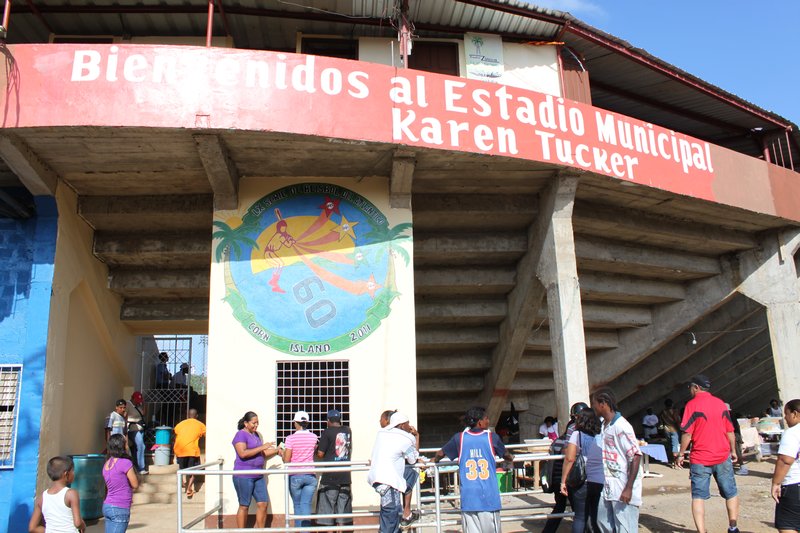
[585, 487]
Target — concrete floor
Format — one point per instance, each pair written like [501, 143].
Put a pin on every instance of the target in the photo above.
[666, 507]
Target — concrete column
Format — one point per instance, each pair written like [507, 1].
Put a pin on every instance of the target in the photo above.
[769, 276]
[784, 333]
[558, 272]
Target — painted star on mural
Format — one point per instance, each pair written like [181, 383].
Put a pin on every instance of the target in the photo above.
[372, 285]
[346, 228]
[330, 206]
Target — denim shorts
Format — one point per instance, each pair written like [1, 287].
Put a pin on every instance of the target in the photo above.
[248, 488]
[701, 480]
[411, 476]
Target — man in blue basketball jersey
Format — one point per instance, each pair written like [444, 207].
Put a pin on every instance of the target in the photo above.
[476, 449]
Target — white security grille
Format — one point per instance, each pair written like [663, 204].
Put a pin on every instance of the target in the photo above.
[314, 387]
[10, 380]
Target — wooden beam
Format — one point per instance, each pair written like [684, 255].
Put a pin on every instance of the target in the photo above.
[403, 164]
[220, 169]
[32, 171]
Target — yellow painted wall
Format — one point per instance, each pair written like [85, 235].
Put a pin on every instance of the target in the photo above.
[241, 370]
[92, 359]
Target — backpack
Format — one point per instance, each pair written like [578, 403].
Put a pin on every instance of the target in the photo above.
[550, 470]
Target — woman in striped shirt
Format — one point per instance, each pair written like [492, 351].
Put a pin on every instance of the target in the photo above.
[299, 448]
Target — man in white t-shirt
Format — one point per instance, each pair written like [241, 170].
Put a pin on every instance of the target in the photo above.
[650, 424]
[622, 492]
[395, 445]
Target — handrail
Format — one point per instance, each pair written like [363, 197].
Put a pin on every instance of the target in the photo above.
[289, 469]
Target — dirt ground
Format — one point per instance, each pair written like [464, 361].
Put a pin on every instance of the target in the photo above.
[666, 505]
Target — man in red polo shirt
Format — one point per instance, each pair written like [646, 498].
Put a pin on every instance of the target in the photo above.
[707, 427]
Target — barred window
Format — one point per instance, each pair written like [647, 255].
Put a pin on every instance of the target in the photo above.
[10, 380]
[314, 387]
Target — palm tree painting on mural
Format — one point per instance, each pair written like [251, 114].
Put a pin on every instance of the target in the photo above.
[388, 241]
[232, 235]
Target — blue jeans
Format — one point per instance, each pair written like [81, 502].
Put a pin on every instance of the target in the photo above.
[674, 441]
[302, 488]
[700, 476]
[578, 503]
[137, 438]
[391, 509]
[117, 518]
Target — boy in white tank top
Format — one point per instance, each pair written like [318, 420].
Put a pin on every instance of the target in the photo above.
[59, 505]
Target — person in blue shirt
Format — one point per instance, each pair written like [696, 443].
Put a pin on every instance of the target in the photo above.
[476, 448]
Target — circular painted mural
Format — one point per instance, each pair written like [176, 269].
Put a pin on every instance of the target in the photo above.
[310, 269]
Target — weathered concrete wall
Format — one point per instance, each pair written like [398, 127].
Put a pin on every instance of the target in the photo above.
[27, 249]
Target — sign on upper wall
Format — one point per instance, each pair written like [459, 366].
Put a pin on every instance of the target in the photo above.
[484, 56]
[311, 269]
[197, 88]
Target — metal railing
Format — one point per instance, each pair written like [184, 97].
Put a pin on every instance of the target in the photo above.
[441, 517]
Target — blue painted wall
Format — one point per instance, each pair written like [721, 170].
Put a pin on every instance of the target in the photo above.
[27, 252]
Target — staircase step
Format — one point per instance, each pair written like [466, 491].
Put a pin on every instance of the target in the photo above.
[163, 469]
[141, 498]
[152, 488]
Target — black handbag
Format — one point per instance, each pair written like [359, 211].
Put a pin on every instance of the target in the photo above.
[577, 474]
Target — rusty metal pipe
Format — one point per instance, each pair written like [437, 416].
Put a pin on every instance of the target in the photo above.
[210, 23]
[6, 15]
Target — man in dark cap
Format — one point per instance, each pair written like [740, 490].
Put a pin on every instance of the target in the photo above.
[707, 426]
[334, 494]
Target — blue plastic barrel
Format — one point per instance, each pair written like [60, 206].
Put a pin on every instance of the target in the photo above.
[163, 434]
[90, 484]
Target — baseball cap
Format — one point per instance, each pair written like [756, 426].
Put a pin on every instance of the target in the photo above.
[301, 416]
[701, 381]
[334, 415]
[397, 419]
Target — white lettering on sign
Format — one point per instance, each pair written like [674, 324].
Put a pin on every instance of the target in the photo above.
[90, 65]
[432, 110]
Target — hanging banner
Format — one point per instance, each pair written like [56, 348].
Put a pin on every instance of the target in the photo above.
[484, 56]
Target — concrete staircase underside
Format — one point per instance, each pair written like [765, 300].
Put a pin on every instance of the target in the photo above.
[651, 264]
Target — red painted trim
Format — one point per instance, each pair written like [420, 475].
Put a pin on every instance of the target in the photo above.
[183, 87]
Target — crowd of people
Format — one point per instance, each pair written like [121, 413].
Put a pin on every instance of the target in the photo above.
[601, 476]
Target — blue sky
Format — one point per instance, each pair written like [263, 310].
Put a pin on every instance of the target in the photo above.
[747, 48]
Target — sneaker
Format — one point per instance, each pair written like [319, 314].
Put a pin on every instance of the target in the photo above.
[743, 471]
[143, 472]
[733, 530]
[405, 522]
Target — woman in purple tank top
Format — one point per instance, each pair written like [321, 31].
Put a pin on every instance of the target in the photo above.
[121, 481]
